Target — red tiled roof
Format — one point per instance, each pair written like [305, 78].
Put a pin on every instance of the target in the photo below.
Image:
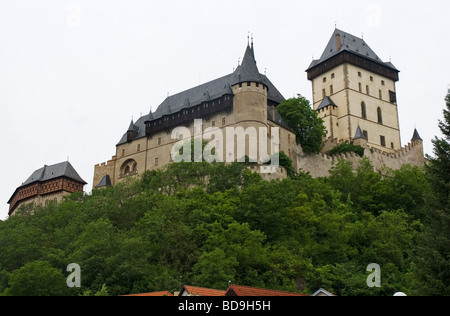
[240, 290]
[199, 291]
[163, 293]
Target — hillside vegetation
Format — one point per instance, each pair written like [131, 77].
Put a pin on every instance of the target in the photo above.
[170, 228]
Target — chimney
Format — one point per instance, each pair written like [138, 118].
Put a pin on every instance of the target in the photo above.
[338, 42]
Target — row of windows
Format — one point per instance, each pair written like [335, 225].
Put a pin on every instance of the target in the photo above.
[383, 83]
[159, 140]
[364, 113]
[380, 92]
[382, 139]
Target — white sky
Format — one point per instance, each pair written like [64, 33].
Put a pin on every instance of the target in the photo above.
[74, 72]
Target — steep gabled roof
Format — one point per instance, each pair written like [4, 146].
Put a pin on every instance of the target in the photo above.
[342, 41]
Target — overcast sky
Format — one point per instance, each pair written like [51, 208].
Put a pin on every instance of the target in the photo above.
[73, 73]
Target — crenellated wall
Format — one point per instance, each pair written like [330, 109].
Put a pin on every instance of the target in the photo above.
[318, 165]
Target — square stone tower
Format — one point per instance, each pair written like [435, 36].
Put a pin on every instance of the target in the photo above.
[353, 87]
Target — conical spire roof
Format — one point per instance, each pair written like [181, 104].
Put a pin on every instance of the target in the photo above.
[359, 134]
[131, 127]
[416, 136]
[248, 70]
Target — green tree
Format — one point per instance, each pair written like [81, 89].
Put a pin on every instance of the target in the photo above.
[214, 269]
[37, 278]
[304, 121]
[433, 256]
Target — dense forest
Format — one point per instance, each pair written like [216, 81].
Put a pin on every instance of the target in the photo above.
[170, 228]
[207, 224]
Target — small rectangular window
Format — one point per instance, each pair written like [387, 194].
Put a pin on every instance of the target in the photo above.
[324, 79]
[366, 135]
[224, 121]
[392, 97]
[383, 141]
[360, 87]
[331, 90]
[371, 78]
[392, 145]
[383, 83]
[213, 123]
[324, 93]
[332, 76]
[139, 147]
[159, 141]
[381, 95]
[156, 161]
[359, 74]
[367, 90]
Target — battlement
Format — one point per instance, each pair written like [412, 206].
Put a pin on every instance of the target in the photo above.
[318, 165]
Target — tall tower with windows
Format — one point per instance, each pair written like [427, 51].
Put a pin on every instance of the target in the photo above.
[353, 88]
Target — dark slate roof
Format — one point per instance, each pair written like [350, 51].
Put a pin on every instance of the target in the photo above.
[133, 127]
[47, 173]
[105, 182]
[359, 134]
[246, 71]
[325, 103]
[351, 44]
[416, 136]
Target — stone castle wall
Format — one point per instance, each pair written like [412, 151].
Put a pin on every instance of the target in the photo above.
[318, 165]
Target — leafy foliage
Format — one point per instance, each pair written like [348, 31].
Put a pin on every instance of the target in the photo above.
[347, 148]
[172, 228]
[304, 121]
[433, 254]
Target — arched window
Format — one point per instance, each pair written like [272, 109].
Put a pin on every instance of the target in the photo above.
[128, 168]
[363, 110]
[380, 116]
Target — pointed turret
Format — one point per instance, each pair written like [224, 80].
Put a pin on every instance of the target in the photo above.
[359, 134]
[148, 123]
[359, 139]
[416, 136]
[326, 103]
[248, 70]
[132, 131]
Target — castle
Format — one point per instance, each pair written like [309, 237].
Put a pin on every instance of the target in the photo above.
[49, 183]
[354, 92]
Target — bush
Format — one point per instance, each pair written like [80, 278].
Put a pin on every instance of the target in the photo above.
[347, 148]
